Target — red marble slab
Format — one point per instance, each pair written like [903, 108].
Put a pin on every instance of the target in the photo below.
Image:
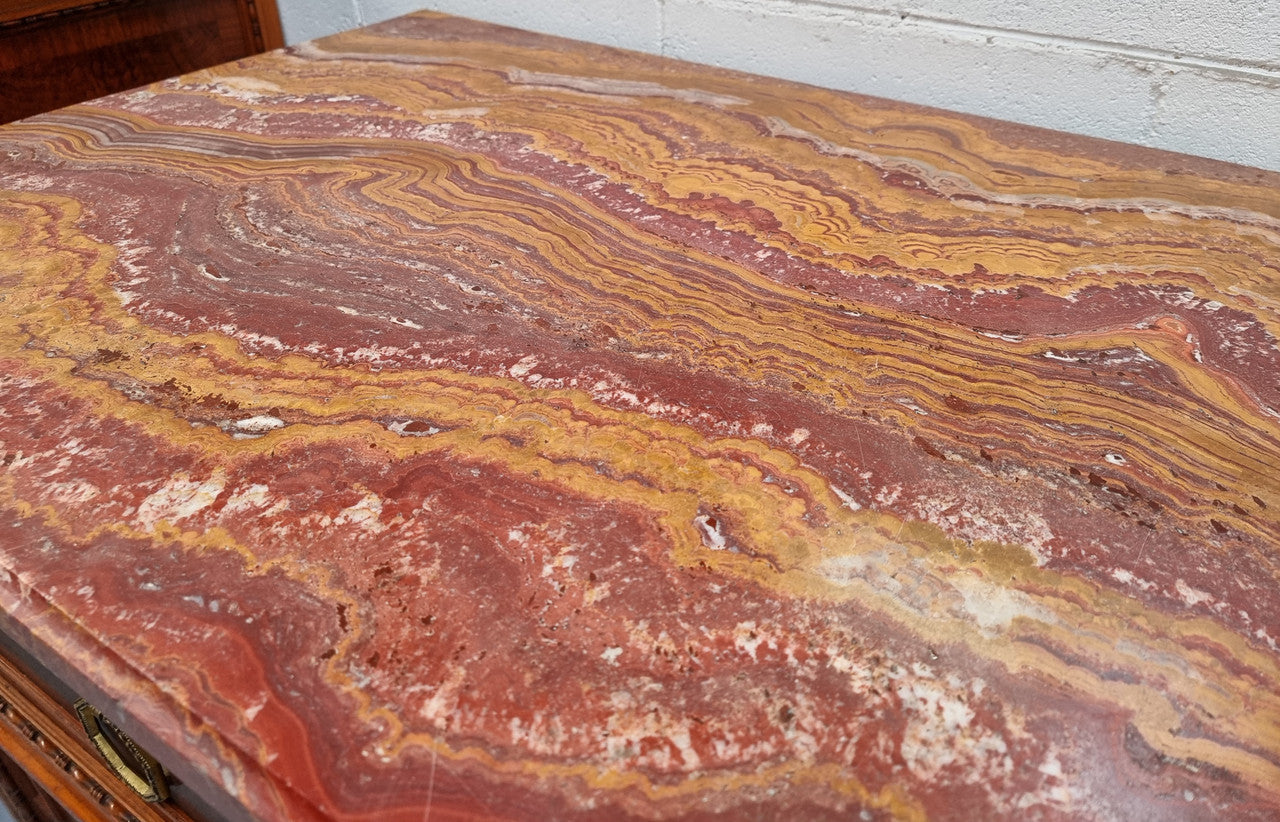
[441, 421]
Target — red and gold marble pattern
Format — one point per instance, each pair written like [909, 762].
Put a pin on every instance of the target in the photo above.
[439, 421]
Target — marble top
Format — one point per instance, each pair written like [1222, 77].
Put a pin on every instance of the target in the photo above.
[442, 421]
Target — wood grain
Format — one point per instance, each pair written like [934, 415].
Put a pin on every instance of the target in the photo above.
[440, 420]
[45, 740]
[19, 10]
[55, 54]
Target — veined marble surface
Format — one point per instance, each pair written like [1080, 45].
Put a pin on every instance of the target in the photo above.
[440, 421]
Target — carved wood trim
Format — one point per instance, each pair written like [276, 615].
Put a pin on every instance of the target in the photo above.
[46, 741]
[261, 19]
[29, 11]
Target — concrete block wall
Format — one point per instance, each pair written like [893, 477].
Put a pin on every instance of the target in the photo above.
[1196, 76]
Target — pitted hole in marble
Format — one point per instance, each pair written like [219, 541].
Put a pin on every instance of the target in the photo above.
[709, 529]
[413, 428]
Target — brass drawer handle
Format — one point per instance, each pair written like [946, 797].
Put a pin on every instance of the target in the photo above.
[136, 767]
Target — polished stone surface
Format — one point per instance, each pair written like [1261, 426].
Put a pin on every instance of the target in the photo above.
[440, 421]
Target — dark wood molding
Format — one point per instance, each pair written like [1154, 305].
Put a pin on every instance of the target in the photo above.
[57, 52]
[44, 738]
[21, 12]
[263, 24]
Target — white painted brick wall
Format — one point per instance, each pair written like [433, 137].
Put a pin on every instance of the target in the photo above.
[1197, 76]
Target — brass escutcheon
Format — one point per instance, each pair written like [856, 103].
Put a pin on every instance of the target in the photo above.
[136, 767]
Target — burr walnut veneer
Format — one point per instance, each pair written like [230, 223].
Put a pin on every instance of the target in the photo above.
[441, 421]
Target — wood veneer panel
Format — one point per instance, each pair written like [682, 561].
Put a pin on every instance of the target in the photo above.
[58, 59]
[445, 420]
[15, 10]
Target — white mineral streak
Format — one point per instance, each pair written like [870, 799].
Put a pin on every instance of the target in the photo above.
[950, 184]
[442, 704]
[620, 88]
[72, 493]
[940, 733]
[366, 514]
[634, 720]
[798, 436]
[849, 502]
[259, 424]
[523, 367]
[994, 607]
[179, 498]
[254, 496]
[246, 89]
[1191, 596]
[313, 51]
[910, 583]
